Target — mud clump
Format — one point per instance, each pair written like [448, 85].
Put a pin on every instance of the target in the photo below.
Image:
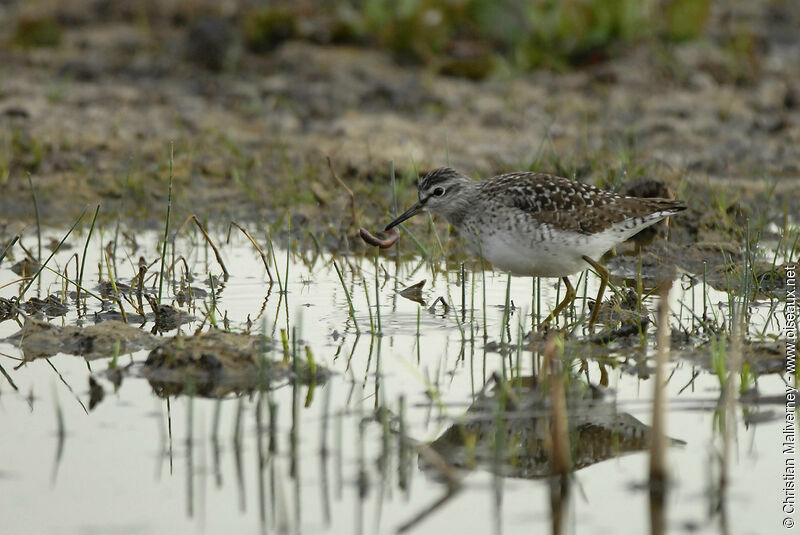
[39, 339]
[217, 363]
[8, 308]
[52, 306]
[762, 357]
[166, 317]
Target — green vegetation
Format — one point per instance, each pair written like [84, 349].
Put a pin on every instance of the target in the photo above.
[684, 19]
[473, 38]
[265, 28]
[37, 32]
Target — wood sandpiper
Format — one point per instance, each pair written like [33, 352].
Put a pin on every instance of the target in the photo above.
[537, 224]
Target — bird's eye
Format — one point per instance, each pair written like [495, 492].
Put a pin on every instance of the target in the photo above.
[438, 192]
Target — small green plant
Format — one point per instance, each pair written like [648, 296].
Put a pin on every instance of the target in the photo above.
[684, 19]
[265, 28]
[26, 151]
[32, 32]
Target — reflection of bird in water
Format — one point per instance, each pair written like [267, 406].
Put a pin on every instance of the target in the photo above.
[597, 431]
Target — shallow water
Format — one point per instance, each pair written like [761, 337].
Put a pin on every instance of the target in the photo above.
[138, 463]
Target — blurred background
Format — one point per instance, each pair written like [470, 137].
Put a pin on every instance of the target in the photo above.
[253, 97]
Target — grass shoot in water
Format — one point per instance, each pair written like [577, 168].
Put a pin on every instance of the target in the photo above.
[42, 266]
[166, 226]
[38, 220]
[288, 251]
[85, 249]
[8, 247]
[211, 311]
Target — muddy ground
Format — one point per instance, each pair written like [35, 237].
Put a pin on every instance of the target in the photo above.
[717, 119]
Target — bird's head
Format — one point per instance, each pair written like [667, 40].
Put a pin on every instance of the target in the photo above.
[443, 191]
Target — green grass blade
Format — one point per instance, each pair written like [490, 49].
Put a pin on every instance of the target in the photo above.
[41, 267]
[166, 226]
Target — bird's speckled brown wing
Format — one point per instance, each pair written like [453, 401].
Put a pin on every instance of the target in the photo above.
[570, 205]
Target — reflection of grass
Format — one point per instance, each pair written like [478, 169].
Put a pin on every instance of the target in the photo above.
[211, 309]
[719, 353]
[347, 295]
[377, 299]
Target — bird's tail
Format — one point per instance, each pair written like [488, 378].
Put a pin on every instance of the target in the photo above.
[667, 205]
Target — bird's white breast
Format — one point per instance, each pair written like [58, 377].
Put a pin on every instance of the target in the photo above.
[544, 251]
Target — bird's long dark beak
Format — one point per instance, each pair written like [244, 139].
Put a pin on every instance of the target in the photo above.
[414, 210]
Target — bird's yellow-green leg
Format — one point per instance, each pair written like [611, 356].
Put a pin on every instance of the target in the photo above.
[570, 297]
[604, 275]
